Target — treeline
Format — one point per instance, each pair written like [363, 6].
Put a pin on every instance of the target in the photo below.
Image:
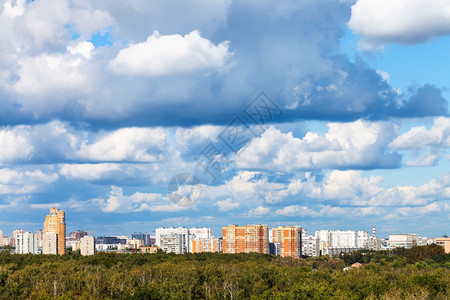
[418, 273]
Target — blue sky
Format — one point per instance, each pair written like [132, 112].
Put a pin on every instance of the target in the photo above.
[101, 104]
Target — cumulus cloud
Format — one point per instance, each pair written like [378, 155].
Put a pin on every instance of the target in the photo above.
[188, 81]
[401, 21]
[127, 144]
[419, 137]
[120, 203]
[424, 147]
[295, 210]
[16, 181]
[15, 145]
[357, 145]
[164, 55]
[228, 204]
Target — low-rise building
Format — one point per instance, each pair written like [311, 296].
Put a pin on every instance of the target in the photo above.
[149, 249]
[402, 240]
[444, 242]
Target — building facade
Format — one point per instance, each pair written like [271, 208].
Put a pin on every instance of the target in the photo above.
[26, 242]
[211, 244]
[290, 239]
[402, 240]
[174, 243]
[87, 245]
[55, 222]
[444, 242]
[77, 235]
[145, 237]
[50, 243]
[246, 239]
[310, 245]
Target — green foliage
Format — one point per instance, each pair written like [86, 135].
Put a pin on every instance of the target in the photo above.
[419, 273]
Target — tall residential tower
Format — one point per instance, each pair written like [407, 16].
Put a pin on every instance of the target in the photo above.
[55, 222]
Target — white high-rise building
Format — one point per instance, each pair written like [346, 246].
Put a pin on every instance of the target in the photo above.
[26, 242]
[362, 239]
[310, 245]
[324, 238]
[343, 239]
[201, 233]
[174, 243]
[87, 245]
[165, 238]
[1, 238]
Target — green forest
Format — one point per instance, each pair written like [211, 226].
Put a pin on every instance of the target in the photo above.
[417, 273]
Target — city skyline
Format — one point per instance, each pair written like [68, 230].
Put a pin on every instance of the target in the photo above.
[299, 113]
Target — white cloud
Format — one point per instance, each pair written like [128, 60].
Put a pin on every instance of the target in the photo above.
[295, 210]
[164, 55]
[118, 202]
[83, 48]
[15, 9]
[15, 145]
[260, 210]
[126, 144]
[419, 137]
[14, 181]
[358, 144]
[228, 204]
[424, 147]
[88, 171]
[399, 21]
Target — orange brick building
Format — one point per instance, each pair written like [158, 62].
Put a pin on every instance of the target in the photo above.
[245, 239]
[290, 239]
[55, 222]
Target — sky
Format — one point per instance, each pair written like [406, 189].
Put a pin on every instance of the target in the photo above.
[328, 114]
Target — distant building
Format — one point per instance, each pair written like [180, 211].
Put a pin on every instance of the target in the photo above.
[73, 244]
[246, 239]
[145, 237]
[110, 240]
[40, 236]
[274, 248]
[134, 244]
[149, 249]
[87, 245]
[310, 245]
[169, 239]
[1, 238]
[174, 243]
[200, 232]
[77, 235]
[26, 242]
[50, 243]
[290, 239]
[335, 252]
[211, 244]
[444, 242]
[402, 240]
[186, 238]
[55, 222]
